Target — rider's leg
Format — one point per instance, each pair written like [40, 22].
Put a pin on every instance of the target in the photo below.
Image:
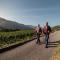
[37, 38]
[46, 40]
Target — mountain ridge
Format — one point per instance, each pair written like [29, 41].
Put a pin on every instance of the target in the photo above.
[6, 24]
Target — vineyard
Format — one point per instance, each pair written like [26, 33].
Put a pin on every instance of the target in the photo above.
[7, 38]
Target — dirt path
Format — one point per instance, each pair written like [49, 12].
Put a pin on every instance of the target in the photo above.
[32, 51]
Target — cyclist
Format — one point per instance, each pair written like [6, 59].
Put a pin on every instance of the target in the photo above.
[46, 31]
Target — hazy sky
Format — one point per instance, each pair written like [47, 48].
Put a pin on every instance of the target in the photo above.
[31, 12]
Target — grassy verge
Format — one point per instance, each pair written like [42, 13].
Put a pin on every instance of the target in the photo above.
[18, 42]
[57, 54]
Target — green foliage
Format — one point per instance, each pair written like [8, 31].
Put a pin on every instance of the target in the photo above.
[14, 36]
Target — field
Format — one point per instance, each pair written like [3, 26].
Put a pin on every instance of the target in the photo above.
[7, 38]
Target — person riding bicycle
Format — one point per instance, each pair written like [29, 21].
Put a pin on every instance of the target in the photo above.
[38, 31]
[46, 31]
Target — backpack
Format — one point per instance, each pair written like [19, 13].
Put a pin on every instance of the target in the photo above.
[47, 29]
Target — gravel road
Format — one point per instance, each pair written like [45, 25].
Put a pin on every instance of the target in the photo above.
[33, 51]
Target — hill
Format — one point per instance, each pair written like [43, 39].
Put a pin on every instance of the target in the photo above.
[57, 27]
[6, 24]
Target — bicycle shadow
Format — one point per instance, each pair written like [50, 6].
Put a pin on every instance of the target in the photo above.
[54, 44]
